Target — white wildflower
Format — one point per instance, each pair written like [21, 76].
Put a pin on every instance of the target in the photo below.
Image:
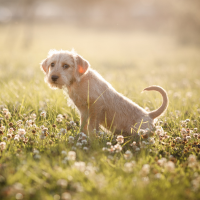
[4, 138]
[19, 123]
[169, 166]
[33, 116]
[35, 151]
[63, 131]
[71, 139]
[120, 139]
[71, 155]
[62, 183]
[72, 123]
[192, 161]
[63, 152]
[80, 166]
[128, 167]
[84, 142]
[159, 131]
[145, 170]
[118, 148]
[2, 145]
[151, 140]
[43, 114]
[162, 161]
[79, 144]
[85, 148]
[10, 130]
[21, 132]
[66, 196]
[37, 156]
[2, 128]
[60, 116]
[128, 155]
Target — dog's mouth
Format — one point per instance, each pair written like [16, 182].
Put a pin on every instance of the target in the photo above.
[55, 85]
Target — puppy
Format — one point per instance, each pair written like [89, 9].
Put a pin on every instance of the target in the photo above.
[98, 102]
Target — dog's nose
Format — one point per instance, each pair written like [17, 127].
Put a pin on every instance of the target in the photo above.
[54, 78]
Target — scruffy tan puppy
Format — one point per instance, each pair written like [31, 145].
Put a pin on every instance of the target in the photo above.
[98, 102]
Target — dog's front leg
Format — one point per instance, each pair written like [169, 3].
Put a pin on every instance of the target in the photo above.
[89, 122]
[84, 122]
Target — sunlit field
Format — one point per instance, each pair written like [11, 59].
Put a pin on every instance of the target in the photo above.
[43, 155]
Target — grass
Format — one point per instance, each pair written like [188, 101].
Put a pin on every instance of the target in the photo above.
[41, 165]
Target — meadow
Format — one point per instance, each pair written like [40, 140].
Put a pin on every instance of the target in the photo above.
[43, 155]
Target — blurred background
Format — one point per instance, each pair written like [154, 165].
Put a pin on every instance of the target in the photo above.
[180, 17]
[132, 43]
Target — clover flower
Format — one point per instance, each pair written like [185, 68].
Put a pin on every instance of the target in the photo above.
[169, 166]
[108, 143]
[2, 145]
[192, 161]
[63, 152]
[79, 144]
[151, 140]
[43, 114]
[60, 116]
[5, 138]
[118, 148]
[143, 145]
[71, 139]
[8, 115]
[178, 139]
[162, 161]
[63, 131]
[4, 111]
[195, 130]
[10, 130]
[195, 183]
[35, 151]
[85, 149]
[2, 128]
[21, 132]
[29, 123]
[66, 196]
[159, 131]
[59, 120]
[128, 155]
[33, 116]
[72, 123]
[145, 170]
[145, 180]
[183, 131]
[111, 149]
[137, 149]
[16, 138]
[80, 166]
[120, 139]
[19, 123]
[62, 183]
[37, 156]
[71, 155]
[128, 166]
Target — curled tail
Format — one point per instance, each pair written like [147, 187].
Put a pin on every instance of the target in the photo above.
[155, 113]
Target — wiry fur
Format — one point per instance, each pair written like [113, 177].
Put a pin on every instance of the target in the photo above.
[98, 102]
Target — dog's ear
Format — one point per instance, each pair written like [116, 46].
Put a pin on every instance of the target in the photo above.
[82, 65]
[43, 66]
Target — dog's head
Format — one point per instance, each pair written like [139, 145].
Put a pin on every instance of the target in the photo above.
[63, 68]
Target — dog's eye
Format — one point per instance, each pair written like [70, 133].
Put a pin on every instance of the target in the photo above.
[52, 64]
[65, 66]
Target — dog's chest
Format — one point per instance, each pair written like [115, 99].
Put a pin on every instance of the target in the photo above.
[78, 100]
